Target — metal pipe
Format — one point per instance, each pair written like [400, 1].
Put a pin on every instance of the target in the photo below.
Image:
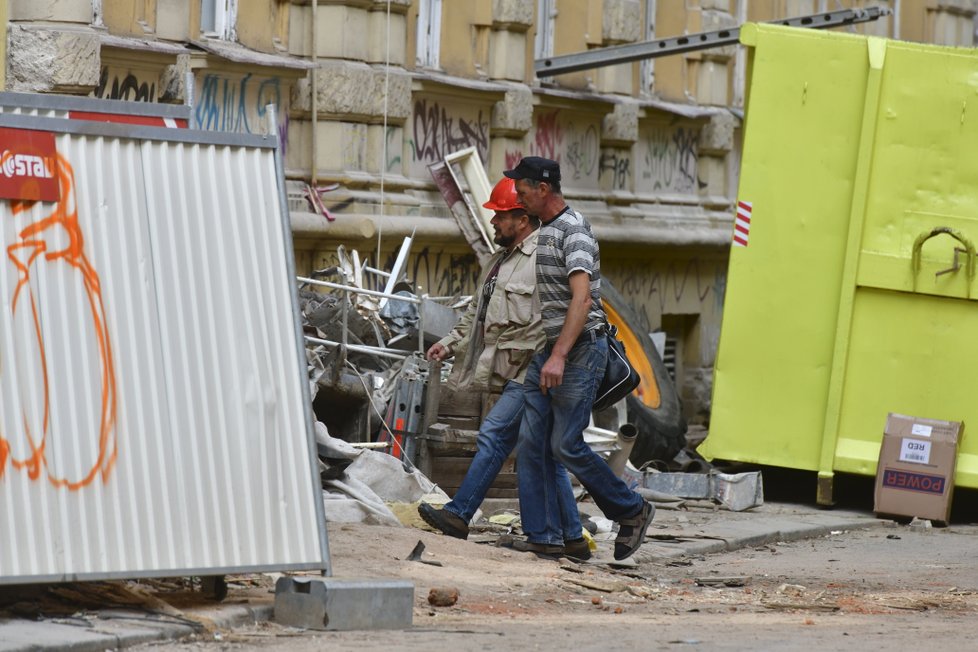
[421, 323]
[626, 439]
[346, 330]
[383, 353]
[314, 181]
[347, 288]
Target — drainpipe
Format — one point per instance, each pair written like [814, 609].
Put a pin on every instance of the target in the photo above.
[4, 17]
[315, 96]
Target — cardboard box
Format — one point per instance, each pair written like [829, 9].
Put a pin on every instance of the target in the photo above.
[915, 474]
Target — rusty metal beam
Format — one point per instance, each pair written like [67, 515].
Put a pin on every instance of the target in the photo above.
[614, 55]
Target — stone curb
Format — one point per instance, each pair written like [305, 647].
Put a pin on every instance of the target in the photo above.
[728, 537]
[116, 629]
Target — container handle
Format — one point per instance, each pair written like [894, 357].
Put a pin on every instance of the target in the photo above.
[957, 235]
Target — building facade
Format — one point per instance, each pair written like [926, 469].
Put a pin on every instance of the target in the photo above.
[369, 93]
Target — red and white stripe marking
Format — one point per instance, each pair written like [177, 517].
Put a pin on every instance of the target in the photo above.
[742, 223]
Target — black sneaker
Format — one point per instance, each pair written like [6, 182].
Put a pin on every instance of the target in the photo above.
[443, 521]
[631, 531]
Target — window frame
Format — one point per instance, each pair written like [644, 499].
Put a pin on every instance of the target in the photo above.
[428, 48]
[543, 41]
[218, 19]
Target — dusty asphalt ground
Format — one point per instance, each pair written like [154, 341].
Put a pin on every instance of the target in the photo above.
[880, 585]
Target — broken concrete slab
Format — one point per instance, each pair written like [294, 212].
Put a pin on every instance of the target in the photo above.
[344, 604]
[736, 492]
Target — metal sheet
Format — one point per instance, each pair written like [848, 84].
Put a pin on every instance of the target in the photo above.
[154, 417]
[61, 105]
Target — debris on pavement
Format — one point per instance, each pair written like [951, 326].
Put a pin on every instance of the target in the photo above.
[442, 597]
[417, 552]
[732, 581]
[736, 492]
[368, 482]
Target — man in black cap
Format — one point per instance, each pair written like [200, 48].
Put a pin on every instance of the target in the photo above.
[564, 375]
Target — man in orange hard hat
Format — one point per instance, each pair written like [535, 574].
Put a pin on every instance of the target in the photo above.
[493, 343]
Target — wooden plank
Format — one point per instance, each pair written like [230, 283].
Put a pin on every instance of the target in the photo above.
[460, 423]
[463, 403]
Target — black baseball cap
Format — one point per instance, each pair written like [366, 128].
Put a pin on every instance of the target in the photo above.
[536, 168]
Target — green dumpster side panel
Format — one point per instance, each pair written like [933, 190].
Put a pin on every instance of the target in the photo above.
[826, 325]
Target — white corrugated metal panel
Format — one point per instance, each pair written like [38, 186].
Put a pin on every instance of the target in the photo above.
[154, 417]
[87, 108]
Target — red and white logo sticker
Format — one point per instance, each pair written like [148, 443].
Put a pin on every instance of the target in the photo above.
[742, 223]
[27, 165]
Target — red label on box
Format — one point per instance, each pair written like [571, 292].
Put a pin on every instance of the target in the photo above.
[922, 482]
[27, 165]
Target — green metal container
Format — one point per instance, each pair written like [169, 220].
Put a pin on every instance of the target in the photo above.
[855, 295]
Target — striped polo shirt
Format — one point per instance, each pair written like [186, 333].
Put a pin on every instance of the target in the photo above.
[564, 246]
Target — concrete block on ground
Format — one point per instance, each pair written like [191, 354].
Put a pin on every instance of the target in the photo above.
[344, 604]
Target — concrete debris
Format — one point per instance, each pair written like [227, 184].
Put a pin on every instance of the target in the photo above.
[791, 589]
[736, 492]
[343, 604]
[920, 524]
[367, 481]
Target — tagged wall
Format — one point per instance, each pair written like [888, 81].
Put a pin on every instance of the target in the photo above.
[238, 102]
[667, 159]
[572, 139]
[438, 128]
[433, 269]
[123, 83]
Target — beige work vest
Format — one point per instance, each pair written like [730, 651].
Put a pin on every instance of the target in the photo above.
[500, 350]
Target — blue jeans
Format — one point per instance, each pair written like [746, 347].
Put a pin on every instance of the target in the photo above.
[553, 431]
[498, 435]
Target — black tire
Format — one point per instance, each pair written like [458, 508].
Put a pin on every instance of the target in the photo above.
[654, 408]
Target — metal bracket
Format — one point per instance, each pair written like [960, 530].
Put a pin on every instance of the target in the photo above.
[701, 41]
[955, 263]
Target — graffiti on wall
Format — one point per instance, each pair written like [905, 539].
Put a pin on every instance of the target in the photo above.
[687, 286]
[116, 84]
[581, 158]
[50, 250]
[441, 273]
[669, 160]
[239, 104]
[617, 166]
[393, 162]
[438, 130]
[547, 138]
[573, 143]
[431, 271]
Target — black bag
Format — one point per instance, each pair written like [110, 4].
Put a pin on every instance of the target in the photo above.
[620, 378]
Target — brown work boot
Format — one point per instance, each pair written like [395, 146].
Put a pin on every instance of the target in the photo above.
[443, 521]
[543, 550]
[577, 549]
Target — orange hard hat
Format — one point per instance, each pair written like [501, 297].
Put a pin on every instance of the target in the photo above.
[503, 197]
